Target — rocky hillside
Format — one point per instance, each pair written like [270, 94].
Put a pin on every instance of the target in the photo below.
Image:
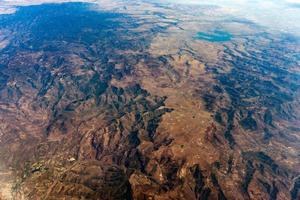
[118, 101]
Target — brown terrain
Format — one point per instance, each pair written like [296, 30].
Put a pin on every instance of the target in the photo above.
[120, 101]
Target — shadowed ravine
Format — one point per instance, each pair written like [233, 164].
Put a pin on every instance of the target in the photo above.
[139, 100]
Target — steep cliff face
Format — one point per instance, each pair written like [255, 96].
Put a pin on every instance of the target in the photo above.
[125, 104]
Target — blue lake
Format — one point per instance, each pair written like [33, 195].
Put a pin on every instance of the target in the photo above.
[214, 36]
